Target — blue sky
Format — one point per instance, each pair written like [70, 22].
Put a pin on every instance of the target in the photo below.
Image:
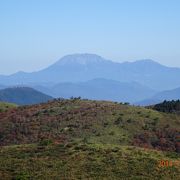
[36, 33]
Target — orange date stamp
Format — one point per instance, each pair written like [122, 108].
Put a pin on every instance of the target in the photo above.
[168, 163]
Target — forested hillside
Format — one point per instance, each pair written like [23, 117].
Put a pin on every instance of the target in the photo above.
[168, 106]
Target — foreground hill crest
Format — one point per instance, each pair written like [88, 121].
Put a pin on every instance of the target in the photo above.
[106, 140]
[100, 121]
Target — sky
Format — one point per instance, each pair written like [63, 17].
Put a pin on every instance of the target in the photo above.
[37, 33]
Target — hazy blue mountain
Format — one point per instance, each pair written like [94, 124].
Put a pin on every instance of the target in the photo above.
[147, 102]
[84, 67]
[2, 86]
[168, 95]
[23, 96]
[100, 89]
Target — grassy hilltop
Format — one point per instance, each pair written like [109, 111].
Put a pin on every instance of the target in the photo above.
[6, 106]
[82, 139]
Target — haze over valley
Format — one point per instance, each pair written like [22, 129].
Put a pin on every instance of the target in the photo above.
[90, 76]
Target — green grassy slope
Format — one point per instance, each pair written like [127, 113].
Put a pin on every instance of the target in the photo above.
[5, 106]
[85, 161]
[82, 139]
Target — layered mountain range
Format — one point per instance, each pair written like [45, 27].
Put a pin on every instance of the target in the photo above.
[91, 76]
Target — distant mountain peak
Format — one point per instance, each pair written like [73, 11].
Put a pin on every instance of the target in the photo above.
[83, 59]
[147, 61]
[19, 73]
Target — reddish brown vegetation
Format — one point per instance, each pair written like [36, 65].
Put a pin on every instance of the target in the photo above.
[58, 120]
[61, 121]
[163, 139]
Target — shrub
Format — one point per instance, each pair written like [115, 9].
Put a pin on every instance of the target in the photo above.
[45, 142]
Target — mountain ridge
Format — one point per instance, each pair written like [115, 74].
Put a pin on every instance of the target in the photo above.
[99, 89]
[84, 67]
[23, 96]
[173, 94]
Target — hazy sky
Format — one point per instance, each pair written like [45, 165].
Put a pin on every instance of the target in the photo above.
[36, 33]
